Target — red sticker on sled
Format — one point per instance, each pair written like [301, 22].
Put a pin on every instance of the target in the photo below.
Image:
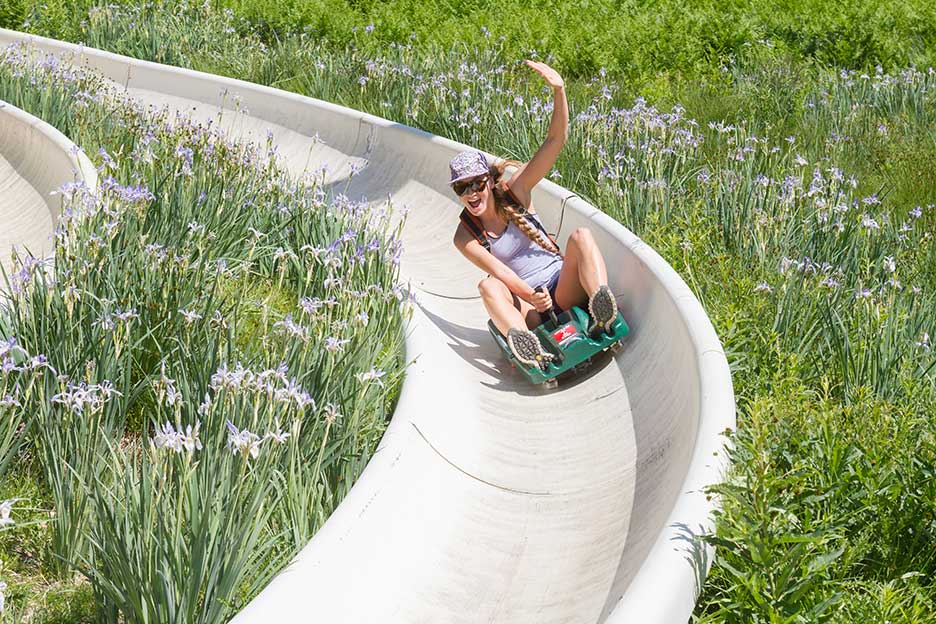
[564, 333]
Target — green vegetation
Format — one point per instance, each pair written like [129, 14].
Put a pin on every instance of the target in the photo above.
[195, 382]
[796, 198]
[640, 40]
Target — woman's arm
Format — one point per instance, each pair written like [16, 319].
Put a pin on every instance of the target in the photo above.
[485, 260]
[529, 176]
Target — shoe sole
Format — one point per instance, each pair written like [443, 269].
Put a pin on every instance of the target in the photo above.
[603, 309]
[526, 347]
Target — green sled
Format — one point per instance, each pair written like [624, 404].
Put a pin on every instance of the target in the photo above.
[568, 340]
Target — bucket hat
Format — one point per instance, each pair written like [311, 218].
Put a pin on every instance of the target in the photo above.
[467, 164]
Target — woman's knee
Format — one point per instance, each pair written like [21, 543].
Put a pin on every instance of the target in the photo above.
[492, 288]
[582, 237]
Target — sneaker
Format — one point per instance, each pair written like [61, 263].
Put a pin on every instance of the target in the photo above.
[526, 348]
[603, 310]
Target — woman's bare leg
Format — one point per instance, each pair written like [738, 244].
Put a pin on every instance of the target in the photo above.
[583, 270]
[504, 308]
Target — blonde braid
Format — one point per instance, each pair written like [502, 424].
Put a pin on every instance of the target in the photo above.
[506, 205]
[526, 228]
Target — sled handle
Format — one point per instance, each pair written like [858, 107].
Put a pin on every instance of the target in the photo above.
[552, 312]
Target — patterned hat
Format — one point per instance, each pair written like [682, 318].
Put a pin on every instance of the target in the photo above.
[468, 164]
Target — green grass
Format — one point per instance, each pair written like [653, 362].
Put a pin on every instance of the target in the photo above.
[646, 41]
[806, 253]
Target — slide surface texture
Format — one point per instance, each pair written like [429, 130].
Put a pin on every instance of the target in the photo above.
[35, 161]
[488, 499]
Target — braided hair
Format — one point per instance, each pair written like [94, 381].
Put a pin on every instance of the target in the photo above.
[507, 207]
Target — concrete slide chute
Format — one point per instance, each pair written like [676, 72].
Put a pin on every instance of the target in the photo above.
[489, 500]
[35, 161]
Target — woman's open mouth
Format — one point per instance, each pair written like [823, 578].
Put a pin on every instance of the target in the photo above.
[475, 203]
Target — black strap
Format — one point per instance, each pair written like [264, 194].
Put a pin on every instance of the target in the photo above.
[469, 220]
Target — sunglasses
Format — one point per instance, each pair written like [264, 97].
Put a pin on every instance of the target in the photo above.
[469, 186]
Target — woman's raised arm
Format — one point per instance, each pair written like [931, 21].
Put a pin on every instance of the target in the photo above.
[546, 155]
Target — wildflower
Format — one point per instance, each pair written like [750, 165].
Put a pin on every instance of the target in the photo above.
[869, 223]
[105, 322]
[916, 213]
[205, 405]
[361, 319]
[763, 287]
[127, 315]
[3, 587]
[316, 252]
[864, 293]
[293, 329]
[9, 401]
[77, 397]
[279, 436]
[373, 374]
[166, 436]
[889, 264]
[924, 342]
[173, 396]
[8, 345]
[190, 440]
[218, 321]
[190, 317]
[243, 441]
[281, 254]
[310, 306]
[5, 508]
[331, 413]
[39, 361]
[7, 366]
[333, 345]
[106, 161]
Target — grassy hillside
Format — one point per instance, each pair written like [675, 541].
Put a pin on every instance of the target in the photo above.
[627, 37]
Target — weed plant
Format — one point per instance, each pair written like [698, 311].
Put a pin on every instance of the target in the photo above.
[796, 199]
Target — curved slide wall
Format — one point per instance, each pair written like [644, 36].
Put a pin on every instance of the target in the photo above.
[35, 160]
[488, 499]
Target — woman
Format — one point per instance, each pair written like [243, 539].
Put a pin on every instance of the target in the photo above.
[501, 233]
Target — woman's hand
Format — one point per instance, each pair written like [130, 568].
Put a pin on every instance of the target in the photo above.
[541, 300]
[550, 75]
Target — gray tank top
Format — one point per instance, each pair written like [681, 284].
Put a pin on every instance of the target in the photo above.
[533, 264]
